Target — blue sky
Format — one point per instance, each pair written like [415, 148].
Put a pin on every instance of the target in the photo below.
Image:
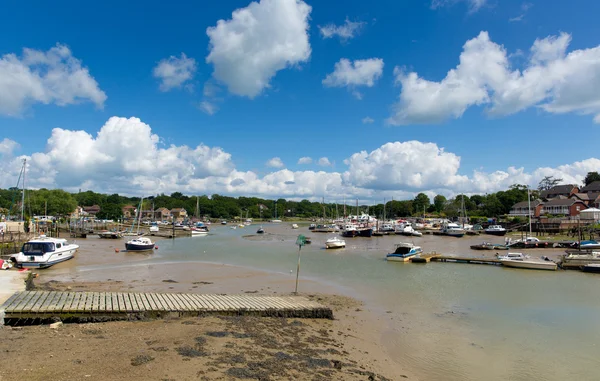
[239, 106]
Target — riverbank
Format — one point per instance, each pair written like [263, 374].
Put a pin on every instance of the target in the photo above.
[205, 348]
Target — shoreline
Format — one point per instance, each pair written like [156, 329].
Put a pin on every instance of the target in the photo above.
[346, 348]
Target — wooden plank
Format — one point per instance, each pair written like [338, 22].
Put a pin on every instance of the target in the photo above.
[164, 302]
[75, 303]
[114, 302]
[214, 306]
[124, 302]
[148, 302]
[81, 301]
[60, 304]
[38, 304]
[161, 304]
[21, 296]
[223, 306]
[13, 298]
[134, 303]
[140, 301]
[189, 302]
[89, 301]
[197, 303]
[248, 302]
[101, 302]
[50, 302]
[175, 302]
[65, 304]
[95, 302]
[178, 300]
[22, 307]
[205, 300]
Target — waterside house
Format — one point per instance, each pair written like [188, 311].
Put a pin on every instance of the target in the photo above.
[162, 214]
[559, 190]
[568, 207]
[128, 211]
[523, 208]
[179, 214]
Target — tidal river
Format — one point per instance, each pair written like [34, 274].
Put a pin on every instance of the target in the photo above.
[442, 321]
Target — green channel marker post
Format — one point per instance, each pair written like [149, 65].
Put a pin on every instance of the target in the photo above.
[300, 241]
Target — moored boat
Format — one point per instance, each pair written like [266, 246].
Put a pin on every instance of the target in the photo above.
[110, 235]
[43, 252]
[453, 230]
[335, 243]
[404, 251]
[294, 226]
[497, 230]
[260, 230]
[518, 260]
[591, 268]
[139, 244]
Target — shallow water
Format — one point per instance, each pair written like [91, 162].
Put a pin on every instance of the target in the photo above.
[443, 321]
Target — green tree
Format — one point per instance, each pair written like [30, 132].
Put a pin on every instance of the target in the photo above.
[439, 202]
[548, 182]
[591, 177]
[420, 203]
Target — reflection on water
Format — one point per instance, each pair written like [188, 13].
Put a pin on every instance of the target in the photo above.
[444, 321]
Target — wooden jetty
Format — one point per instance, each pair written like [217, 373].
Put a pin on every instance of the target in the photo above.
[34, 307]
[435, 257]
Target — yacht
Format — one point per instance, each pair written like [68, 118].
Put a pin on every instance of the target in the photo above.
[453, 230]
[591, 268]
[260, 230]
[404, 251]
[139, 244]
[335, 243]
[43, 252]
[495, 230]
[522, 261]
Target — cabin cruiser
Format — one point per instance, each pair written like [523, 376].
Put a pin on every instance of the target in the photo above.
[199, 230]
[519, 260]
[335, 243]
[260, 230]
[495, 230]
[294, 226]
[409, 230]
[350, 230]
[452, 229]
[387, 228]
[589, 245]
[139, 244]
[43, 252]
[404, 251]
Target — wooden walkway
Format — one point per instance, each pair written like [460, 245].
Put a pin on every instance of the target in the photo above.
[473, 260]
[103, 306]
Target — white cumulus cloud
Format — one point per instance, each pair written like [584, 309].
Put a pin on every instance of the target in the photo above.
[324, 162]
[345, 31]
[474, 5]
[553, 80]
[305, 160]
[356, 73]
[7, 146]
[368, 120]
[173, 72]
[208, 107]
[54, 76]
[275, 163]
[258, 41]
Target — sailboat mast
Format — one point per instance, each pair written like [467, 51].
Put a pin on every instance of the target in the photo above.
[140, 215]
[529, 209]
[23, 193]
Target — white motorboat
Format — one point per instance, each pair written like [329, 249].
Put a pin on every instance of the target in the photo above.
[43, 252]
[154, 229]
[139, 244]
[335, 243]
[404, 251]
[453, 230]
[198, 231]
[495, 230]
[589, 245]
[294, 226]
[591, 268]
[409, 230]
[518, 260]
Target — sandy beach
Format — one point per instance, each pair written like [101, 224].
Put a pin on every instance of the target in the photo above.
[205, 348]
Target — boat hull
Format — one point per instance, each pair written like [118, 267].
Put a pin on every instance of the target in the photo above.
[335, 245]
[591, 269]
[134, 247]
[43, 265]
[531, 265]
[365, 232]
[400, 258]
[499, 233]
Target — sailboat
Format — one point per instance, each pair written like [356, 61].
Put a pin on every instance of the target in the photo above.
[138, 217]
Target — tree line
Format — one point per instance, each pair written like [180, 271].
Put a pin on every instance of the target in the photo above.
[57, 202]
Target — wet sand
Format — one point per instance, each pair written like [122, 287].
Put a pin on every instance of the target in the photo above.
[206, 348]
